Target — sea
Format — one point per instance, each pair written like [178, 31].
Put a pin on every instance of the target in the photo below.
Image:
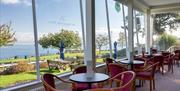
[21, 51]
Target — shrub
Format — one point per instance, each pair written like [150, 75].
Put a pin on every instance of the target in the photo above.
[21, 66]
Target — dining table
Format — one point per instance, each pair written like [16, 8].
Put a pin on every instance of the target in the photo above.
[83, 78]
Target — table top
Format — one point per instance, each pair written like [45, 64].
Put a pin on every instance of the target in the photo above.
[134, 62]
[82, 78]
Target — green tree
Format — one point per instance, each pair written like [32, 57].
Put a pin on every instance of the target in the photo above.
[163, 21]
[121, 39]
[166, 41]
[7, 37]
[71, 39]
[101, 40]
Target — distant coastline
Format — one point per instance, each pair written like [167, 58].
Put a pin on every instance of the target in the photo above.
[21, 50]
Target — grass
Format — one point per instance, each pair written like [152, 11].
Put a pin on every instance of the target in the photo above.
[47, 57]
[13, 79]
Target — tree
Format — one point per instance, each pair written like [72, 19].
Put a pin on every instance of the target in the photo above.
[121, 39]
[166, 41]
[69, 38]
[163, 21]
[7, 37]
[101, 40]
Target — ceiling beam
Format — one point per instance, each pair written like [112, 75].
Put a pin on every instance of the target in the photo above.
[138, 5]
[165, 8]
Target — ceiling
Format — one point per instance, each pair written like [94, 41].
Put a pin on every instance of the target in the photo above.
[159, 2]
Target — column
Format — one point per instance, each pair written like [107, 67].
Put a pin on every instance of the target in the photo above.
[130, 30]
[36, 40]
[149, 31]
[90, 49]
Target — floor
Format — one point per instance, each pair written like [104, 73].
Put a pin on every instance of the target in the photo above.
[166, 82]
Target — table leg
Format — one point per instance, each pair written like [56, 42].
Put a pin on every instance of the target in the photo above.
[89, 86]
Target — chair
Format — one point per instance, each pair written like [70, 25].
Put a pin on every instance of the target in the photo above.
[154, 50]
[169, 59]
[140, 66]
[82, 86]
[115, 69]
[160, 59]
[108, 61]
[177, 57]
[148, 74]
[80, 69]
[126, 80]
[49, 82]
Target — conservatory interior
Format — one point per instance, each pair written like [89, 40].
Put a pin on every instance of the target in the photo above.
[149, 69]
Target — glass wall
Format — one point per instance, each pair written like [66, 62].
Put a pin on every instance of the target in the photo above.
[17, 52]
[59, 34]
[139, 32]
[116, 30]
[166, 34]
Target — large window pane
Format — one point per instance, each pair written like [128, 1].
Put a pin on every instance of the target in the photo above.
[60, 34]
[17, 52]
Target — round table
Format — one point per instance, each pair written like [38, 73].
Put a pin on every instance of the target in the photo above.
[133, 62]
[82, 78]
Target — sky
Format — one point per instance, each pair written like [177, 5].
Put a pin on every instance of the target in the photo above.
[53, 15]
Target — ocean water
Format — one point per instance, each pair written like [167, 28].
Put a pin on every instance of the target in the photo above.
[23, 50]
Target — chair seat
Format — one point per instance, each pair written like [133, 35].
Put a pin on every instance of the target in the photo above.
[146, 75]
[166, 62]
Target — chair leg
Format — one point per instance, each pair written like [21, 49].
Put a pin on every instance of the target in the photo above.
[150, 85]
[162, 70]
[154, 84]
[172, 68]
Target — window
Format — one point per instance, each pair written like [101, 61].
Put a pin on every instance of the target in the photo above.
[59, 33]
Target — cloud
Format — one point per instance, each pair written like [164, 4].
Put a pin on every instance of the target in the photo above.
[13, 2]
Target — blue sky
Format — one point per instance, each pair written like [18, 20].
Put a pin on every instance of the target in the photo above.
[53, 15]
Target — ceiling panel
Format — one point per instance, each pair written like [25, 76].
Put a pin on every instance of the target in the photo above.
[159, 2]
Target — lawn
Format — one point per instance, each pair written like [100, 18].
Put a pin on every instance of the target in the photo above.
[13, 79]
[48, 57]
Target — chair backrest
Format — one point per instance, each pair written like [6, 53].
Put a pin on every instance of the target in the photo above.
[115, 69]
[80, 69]
[171, 58]
[109, 60]
[154, 50]
[152, 68]
[158, 58]
[127, 78]
[177, 52]
[166, 53]
[48, 82]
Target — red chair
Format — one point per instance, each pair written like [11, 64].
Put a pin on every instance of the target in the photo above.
[160, 59]
[108, 61]
[115, 69]
[126, 80]
[177, 57]
[148, 74]
[140, 66]
[169, 59]
[49, 83]
[154, 50]
[82, 86]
